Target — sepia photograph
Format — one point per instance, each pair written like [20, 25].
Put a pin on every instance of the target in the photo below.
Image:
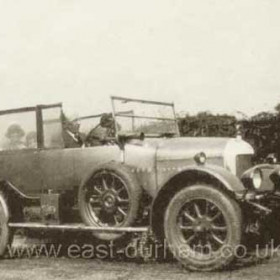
[139, 139]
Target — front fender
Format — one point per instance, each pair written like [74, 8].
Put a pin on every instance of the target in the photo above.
[8, 187]
[217, 176]
[231, 182]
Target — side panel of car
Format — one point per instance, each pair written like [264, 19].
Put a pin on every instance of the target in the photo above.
[34, 171]
[66, 168]
[87, 159]
[142, 160]
[22, 168]
[57, 169]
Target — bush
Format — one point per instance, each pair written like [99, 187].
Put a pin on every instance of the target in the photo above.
[262, 131]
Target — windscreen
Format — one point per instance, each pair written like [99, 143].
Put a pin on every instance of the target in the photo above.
[137, 116]
[86, 124]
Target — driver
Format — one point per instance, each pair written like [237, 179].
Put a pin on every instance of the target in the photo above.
[100, 134]
[107, 122]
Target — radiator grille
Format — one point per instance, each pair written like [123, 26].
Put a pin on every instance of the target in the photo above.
[243, 163]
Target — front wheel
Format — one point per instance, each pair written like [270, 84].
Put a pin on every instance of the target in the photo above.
[110, 198]
[202, 227]
[5, 235]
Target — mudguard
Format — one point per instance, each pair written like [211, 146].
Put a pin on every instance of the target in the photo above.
[7, 187]
[230, 183]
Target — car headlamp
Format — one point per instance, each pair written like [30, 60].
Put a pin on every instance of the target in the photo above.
[257, 178]
[200, 158]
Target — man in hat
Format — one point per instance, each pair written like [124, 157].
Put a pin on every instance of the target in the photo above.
[102, 133]
[14, 134]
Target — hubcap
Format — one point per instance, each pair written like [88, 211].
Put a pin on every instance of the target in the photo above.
[109, 201]
[201, 225]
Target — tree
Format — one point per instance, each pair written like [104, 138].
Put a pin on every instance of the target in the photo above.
[277, 108]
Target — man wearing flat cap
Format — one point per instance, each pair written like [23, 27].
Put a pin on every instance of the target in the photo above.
[14, 135]
[102, 132]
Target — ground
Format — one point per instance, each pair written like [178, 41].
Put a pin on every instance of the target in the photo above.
[65, 268]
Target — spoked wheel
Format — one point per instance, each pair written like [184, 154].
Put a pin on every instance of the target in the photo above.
[110, 198]
[107, 199]
[203, 227]
[5, 234]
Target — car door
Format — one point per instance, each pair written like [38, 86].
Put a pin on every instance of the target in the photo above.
[65, 168]
[19, 160]
[56, 164]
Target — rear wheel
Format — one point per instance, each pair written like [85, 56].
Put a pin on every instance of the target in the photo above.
[5, 235]
[110, 198]
[202, 227]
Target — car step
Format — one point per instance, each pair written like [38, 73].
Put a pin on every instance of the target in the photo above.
[77, 227]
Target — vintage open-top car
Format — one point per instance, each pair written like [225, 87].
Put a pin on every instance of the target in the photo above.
[130, 171]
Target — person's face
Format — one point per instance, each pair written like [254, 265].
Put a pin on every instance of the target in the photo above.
[73, 126]
[32, 143]
[15, 137]
[108, 123]
[76, 126]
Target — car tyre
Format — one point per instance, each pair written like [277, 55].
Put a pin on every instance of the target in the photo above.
[202, 227]
[110, 197]
[5, 232]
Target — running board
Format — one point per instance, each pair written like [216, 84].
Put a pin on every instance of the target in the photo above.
[78, 227]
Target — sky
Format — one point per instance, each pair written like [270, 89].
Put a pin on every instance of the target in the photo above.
[203, 55]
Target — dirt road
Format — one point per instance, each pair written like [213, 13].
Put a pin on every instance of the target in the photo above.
[65, 268]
